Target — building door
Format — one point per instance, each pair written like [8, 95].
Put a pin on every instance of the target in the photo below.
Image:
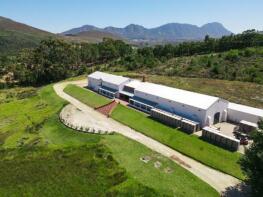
[216, 117]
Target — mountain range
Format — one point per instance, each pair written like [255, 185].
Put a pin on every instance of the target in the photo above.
[15, 36]
[171, 32]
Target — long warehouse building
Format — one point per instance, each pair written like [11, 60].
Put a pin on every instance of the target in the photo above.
[201, 108]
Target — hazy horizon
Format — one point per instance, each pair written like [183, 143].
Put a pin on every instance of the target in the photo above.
[61, 15]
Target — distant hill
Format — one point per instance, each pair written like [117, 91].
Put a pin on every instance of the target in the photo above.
[92, 36]
[171, 32]
[15, 36]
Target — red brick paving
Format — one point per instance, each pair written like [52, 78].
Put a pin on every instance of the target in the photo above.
[107, 109]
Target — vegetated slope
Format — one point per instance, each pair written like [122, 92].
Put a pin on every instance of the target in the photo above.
[240, 65]
[92, 36]
[171, 32]
[42, 157]
[15, 36]
[234, 65]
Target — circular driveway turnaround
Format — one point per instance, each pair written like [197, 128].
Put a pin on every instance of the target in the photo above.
[75, 118]
[218, 180]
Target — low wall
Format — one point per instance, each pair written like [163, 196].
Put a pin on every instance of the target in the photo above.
[175, 121]
[211, 135]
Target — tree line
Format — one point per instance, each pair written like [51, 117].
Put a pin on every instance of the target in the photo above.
[53, 60]
[249, 38]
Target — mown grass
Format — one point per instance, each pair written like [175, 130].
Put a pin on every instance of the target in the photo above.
[187, 144]
[92, 100]
[39, 156]
[178, 182]
[190, 145]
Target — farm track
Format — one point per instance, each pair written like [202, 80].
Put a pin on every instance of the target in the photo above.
[218, 180]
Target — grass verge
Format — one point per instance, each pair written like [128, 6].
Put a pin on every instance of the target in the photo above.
[92, 100]
[190, 145]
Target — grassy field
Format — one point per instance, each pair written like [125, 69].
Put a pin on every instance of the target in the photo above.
[189, 145]
[235, 91]
[198, 149]
[41, 157]
[81, 94]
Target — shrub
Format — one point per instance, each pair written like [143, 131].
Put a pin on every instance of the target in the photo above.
[249, 52]
[232, 55]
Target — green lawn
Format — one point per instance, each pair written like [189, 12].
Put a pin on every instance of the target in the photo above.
[39, 156]
[179, 182]
[92, 100]
[190, 145]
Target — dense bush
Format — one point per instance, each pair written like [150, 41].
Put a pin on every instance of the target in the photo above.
[54, 60]
[252, 163]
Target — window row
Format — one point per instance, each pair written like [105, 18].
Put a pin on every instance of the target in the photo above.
[140, 106]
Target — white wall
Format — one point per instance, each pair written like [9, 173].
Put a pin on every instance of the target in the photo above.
[94, 84]
[219, 106]
[186, 111]
[237, 116]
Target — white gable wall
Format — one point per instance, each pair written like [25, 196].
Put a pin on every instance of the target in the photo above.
[94, 84]
[219, 106]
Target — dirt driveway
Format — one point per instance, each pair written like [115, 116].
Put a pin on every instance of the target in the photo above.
[218, 180]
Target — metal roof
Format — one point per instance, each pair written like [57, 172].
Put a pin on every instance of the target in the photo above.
[197, 100]
[109, 78]
[133, 84]
[246, 109]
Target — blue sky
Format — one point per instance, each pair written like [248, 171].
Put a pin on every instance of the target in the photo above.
[60, 15]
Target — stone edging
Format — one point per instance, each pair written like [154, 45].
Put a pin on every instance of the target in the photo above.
[81, 128]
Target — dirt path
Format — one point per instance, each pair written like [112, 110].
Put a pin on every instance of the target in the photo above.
[216, 179]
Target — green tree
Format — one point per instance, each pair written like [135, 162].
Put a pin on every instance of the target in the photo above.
[252, 163]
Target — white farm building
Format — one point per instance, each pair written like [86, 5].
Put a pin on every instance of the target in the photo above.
[198, 110]
[107, 84]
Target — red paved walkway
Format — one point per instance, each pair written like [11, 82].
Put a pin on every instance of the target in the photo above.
[107, 109]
